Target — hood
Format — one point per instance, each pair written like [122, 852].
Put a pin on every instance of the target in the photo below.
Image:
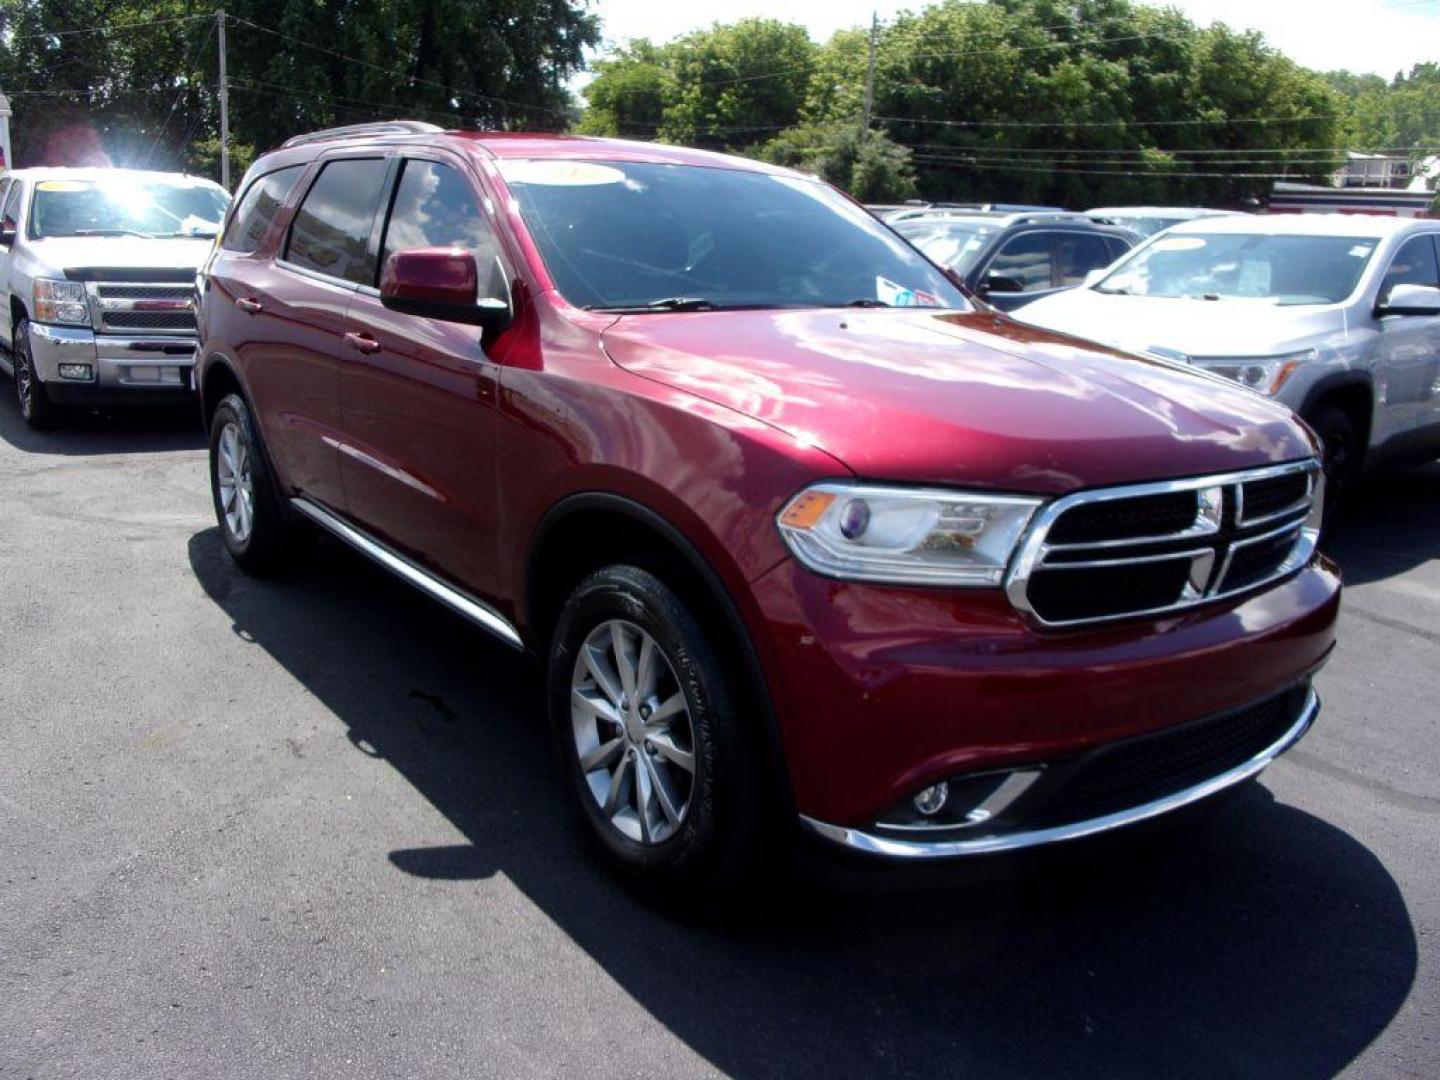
[1229, 327]
[76, 255]
[959, 397]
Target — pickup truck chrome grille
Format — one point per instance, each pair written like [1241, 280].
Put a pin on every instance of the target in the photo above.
[142, 307]
[1149, 549]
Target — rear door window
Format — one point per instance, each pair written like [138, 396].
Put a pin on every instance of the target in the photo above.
[257, 209]
[331, 231]
[1025, 259]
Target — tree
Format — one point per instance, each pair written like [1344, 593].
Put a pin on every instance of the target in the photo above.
[863, 162]
[720, 87]
[144, 72]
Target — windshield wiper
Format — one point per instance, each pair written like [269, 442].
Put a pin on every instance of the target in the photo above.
[867, 301]
[666, 303]
[112, 232]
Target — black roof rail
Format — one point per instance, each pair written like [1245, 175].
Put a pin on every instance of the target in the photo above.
[355, 131]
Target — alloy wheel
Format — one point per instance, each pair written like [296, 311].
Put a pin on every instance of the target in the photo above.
[24, 384]
[633, 733]
[236, 481]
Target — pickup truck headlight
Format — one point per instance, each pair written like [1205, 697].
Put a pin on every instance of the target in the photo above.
[1267, 374]
[905, 536]
[61, 302]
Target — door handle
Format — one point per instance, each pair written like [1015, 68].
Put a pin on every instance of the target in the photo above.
[248, 303]
[362, 342]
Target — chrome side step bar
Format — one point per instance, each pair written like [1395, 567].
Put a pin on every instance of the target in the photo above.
[478, 612]
[895, 848]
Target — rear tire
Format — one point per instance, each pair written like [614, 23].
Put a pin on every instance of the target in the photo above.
[670, 790]
[253, 523]
[36, 408]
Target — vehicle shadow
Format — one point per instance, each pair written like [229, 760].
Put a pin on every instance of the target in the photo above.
[1255, 940]
[138, 429]
[1391, 524]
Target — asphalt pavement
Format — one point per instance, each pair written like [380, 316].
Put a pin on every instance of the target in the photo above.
[313, 828]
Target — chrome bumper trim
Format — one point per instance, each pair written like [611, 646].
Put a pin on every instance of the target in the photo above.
[476, 611]
[893, 848]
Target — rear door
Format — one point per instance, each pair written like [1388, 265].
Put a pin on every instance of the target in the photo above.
[292, 335]
[419, 395]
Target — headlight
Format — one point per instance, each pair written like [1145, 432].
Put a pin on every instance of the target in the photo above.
[914, 536]
[61, 302]
[1266, 374]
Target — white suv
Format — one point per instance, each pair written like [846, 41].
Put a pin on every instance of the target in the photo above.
[97, 278]
[1337, 316]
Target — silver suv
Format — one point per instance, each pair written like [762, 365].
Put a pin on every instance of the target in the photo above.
[1337, 316]
[97, 268]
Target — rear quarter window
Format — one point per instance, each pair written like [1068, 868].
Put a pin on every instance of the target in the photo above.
[257, 209]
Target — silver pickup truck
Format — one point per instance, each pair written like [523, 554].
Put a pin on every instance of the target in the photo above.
[97, 271]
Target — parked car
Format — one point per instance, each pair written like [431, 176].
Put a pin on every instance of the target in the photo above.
[98, 270]
[1337, 316]
[895, 214]
[1148, 220]
[1013, 259]
[798, 534]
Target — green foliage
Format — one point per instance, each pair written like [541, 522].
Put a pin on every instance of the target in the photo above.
[714, 87]
[149, 92]
[865, 163]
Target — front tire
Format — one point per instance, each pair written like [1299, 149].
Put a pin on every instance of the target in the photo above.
[656, 755]
[1342, 458]
[247, 502]
[36, 408]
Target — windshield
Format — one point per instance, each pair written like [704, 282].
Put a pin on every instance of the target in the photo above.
[1280, 269]
[643, 236]
[956, 246]
[126, 206]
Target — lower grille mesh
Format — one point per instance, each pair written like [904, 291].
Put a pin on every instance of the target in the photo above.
[1139, 770]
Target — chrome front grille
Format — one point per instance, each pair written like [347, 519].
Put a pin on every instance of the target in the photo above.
[142, 307]
[1149, 549]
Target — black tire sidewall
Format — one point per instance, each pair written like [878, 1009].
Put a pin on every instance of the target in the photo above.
[1330, 423]
[710, 845]
[41, 411]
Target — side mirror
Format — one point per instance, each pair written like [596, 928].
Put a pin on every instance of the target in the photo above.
[441, 283]
[1001, 284]
[1410, 300]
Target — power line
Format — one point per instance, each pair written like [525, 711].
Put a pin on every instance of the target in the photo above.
[1108, 123]
[116, 26]
[186, 88]
[1176, 174]
[413, 79]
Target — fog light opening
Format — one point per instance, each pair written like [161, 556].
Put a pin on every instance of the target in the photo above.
[931, 800]
[81, 372]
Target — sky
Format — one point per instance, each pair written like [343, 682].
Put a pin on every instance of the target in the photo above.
[1368, 36]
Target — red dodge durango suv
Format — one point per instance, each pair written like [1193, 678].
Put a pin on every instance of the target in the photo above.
[802, 534]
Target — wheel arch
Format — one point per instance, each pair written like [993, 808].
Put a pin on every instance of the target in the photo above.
[588, 530]
[1353, 392]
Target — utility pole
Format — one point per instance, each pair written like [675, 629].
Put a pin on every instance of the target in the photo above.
[224, 106]
[870, 69]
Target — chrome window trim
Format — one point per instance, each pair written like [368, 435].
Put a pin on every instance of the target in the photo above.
[477, 611]
[1032, 549]
[907, 849]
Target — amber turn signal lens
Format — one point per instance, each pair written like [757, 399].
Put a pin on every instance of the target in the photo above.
[805, 511]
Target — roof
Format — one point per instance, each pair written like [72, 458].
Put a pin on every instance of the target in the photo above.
[1367, 225]
[532, 144]
[1155, 211]
[65, 172]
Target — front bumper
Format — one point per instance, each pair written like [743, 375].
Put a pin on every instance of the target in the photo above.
[881, 691]
[123, 368]
[993, 840]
